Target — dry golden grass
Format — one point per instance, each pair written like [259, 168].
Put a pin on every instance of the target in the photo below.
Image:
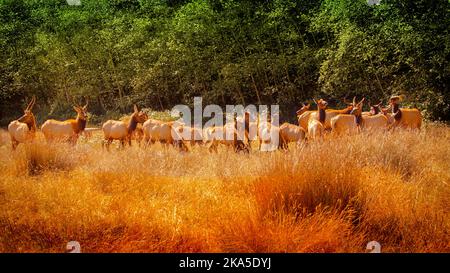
[332, 196]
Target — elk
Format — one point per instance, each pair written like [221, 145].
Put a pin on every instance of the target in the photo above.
[348, 123]
[122, 131]
[24, 128]
[213, 136]
[291, 133]
[376, 109]
[331, 113]
[303, 115]
[266, 132]
[316, 121]
[404, 117]
[165, 132]
[229, 135]
[356, 120]
[68, 130]
[370, 122]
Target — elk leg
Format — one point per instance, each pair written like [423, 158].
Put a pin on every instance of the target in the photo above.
[213, 147]
[108, 143]
[14, 144]
[73, 140]
[146, 143]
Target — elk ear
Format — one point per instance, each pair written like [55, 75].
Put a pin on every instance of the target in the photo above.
[33, 101]
[135, 109]
[85, 106]
[30, 104]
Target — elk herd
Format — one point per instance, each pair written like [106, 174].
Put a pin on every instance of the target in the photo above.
[312, 125]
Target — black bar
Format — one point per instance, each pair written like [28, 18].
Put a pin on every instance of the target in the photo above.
[242, 262]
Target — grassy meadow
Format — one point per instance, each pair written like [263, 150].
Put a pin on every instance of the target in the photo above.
[335, 195]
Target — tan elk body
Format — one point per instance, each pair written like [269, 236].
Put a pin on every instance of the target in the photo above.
[123, 131]
[68, 130]
[23, 129]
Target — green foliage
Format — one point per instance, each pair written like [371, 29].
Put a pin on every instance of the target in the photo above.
[159, 53]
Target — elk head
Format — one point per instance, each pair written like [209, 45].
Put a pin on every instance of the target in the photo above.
[303, 109]
[376, 108]
[357, 107]
[349, 104]
[139, 116]
[81, 111]
[28, 116]
[321, 104]
[395, 100]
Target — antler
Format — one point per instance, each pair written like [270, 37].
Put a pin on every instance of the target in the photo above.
[87, 103]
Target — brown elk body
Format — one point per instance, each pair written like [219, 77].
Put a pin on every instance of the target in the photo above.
[410, 118]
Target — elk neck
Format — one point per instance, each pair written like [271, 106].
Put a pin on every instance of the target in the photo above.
[322, 115]
[132, 125]
[32, 125]
[346, 111]
[397, 112]
[81, 125]
[395, 108]
[358, 119]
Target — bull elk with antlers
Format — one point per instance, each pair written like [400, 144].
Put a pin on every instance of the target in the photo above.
[24, 128]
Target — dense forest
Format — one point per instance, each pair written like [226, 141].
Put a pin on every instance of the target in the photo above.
[159, 53]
